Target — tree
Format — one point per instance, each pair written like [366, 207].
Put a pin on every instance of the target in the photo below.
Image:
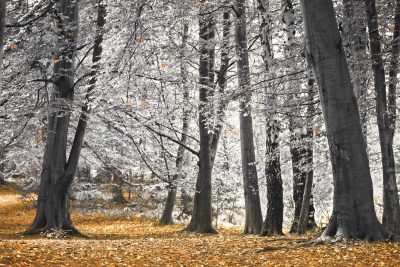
[300, 138]
[356, 38]
[353, 207]
[274, 215]
[3, 13]
[52, 213]
[201, 219]
[2, 34]
[166, 217]
[386, 113]
[253, 223]
[306, 216]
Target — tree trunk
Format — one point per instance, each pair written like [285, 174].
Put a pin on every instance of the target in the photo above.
[253, 221]
[3, 13]
[391, 207]
[306, 217]
[301, 150]
[353, 206]
[52, 212]
[274, 216]
[202, 209]
[166, 217]
[355, 23]
[220, 114]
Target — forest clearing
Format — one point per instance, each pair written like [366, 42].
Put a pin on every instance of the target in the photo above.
[114, 241]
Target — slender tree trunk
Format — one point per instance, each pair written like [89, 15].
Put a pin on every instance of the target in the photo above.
[391, 207]
[202, 209]
[220, 114]
[298, 148]
[253, 223]
[166, 217]
[306, 217]
[353, 206]
[274, 216]
[52, 212]
[3, 13]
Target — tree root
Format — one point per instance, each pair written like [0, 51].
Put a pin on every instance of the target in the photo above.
[52, 233]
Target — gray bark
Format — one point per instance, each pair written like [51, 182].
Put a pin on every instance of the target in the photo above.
[201, 221]
[391, 206]
[220, 114]
[3, 13]
[353, 206]
[355, 24]
[274, 216]
[52, 212]
[253, 221]
[166, 217]
[306, 216]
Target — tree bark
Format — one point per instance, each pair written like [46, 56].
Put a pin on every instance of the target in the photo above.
[220, 114]
[166, 217]
[353, 206]
[253, 223]
[52, 212]
[202, 221]
[274, 216]
[3, 13]
[306, 216]
[391, 207]
[356, 37]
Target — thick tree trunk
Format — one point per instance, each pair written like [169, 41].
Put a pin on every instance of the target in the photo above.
[353, 207]
[391, 207]
[166, 217]
[356, 37]
[253, 222]
[52, 212]
[220, 114]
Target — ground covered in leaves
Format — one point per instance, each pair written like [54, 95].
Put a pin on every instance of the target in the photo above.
[116, 241]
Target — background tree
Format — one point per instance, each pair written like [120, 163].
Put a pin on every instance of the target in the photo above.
[253, 223]
[385, 115]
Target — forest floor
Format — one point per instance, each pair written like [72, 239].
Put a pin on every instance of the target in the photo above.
[120, 241]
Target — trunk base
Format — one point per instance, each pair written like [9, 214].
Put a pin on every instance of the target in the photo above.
[339, 230]
[55, 233]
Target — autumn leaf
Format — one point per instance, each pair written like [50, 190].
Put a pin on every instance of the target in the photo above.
[318, 131]
[140, 40]
[140, 241]
[13, 47]
[247, 86]
[129, 103]
[144, 104]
